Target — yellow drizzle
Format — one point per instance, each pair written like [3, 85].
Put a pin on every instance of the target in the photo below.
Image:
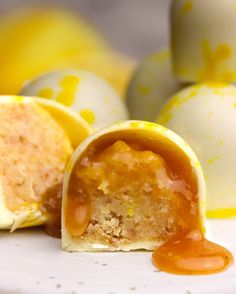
[88, 115]
[215, 68]
[187, 7]
[46, 93]
[221, 213]
[67, 95]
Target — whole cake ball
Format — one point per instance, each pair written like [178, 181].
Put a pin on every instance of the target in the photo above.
[152, 84]
[203, 40]
[88, 94]
[205, 116]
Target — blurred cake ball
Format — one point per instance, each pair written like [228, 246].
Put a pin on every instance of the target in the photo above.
[152, 84]
[37, 40]
[89, 95]
[203, 40]
[205, 116]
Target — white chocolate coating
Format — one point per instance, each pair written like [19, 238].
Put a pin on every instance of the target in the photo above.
[203, 40]
[152, 84]
[205, 116]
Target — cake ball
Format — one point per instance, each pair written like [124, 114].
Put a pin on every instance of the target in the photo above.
[34, 150]
[137, 185]
[132, 185]
[86, 93]
[151, 86]
[203, 40]
[205, 116]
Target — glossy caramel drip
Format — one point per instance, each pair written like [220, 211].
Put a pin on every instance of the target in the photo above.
[192, 254]
[52, 209]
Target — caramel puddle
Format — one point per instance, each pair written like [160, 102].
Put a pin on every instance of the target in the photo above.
[192, 254]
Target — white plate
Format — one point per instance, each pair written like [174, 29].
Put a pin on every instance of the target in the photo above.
[32, 262]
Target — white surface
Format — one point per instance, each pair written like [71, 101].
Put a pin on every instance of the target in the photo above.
[32, 262]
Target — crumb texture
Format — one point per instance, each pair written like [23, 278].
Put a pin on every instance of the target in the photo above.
[33, 152]
[132, 196]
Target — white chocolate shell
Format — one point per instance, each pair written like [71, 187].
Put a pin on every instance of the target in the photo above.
[205, 116]
[153, 83]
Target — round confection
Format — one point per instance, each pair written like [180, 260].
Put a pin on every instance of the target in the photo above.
[86, 93]
[205, 116]
[203, 40]
[132, 185]
[152, 84]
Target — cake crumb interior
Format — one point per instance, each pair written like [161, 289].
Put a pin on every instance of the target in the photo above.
[124, 195]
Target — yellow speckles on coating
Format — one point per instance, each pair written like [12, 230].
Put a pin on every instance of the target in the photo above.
[134, 124]
[88, 115]
[187, 7]
[46, 93]
[67, 95]
[222, 213]
[213, 159]
[234, 104]
[215, 68]
[143, 90]
[166, 114]
[160, 56]
[165, 118]
[18, 99]
[149, 125]
[220, 142]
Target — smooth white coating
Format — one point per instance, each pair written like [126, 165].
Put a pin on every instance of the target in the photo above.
[205, 116]
[152, 85]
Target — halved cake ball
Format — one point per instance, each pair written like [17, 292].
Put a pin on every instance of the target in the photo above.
[34, 150]
[133, 185]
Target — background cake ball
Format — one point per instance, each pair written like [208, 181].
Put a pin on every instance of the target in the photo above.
[203, 40]
[152, 84]
[89, 95]
[205, 116]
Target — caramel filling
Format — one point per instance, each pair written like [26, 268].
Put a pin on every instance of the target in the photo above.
[119, 193]
[125, 194]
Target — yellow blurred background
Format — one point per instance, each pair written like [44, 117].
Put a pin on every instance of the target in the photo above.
[106, 37]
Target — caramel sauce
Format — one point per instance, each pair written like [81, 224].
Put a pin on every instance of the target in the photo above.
[52, 209]
[77, 210]
[192, 254]
[188, 252]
